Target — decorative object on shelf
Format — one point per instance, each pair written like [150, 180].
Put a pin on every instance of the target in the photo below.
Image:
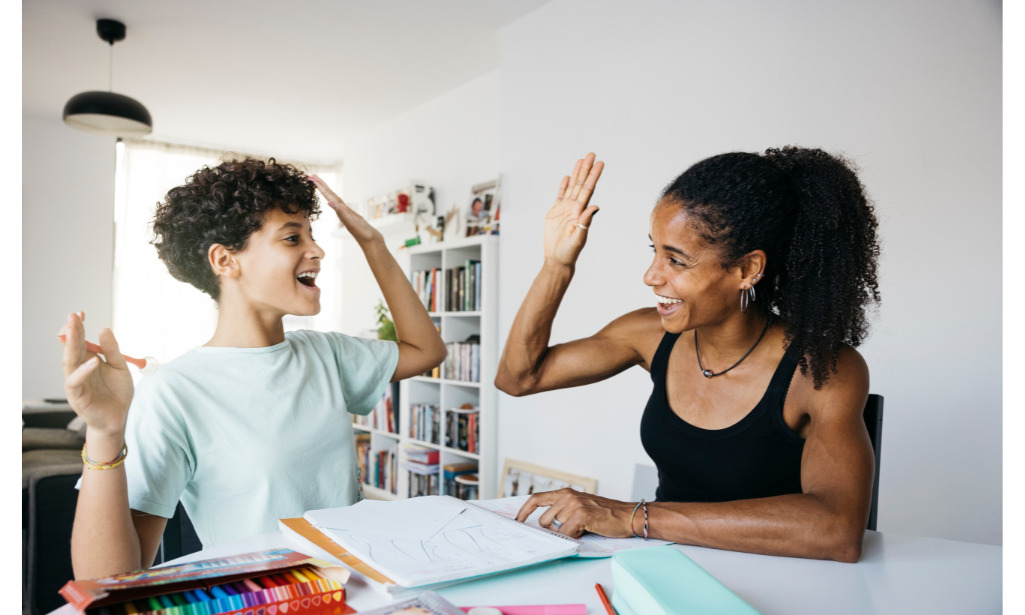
[454, 226]
[522, 478]
[482, 213]
[416, 199]
[108, 113]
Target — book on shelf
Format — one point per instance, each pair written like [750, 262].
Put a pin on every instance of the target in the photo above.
[272, 580]
[420, 468]
[462, 428]
[427, 284]
[423, 455]
[425, 423]
[378, 468]
[422, 483]
[467, 540]
[463, 287]
[463, 360]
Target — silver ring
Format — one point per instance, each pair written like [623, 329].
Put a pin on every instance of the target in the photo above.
[583, 228]
[556, 524]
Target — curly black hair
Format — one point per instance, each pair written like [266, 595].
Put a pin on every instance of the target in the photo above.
[224, 205]
[808, 211]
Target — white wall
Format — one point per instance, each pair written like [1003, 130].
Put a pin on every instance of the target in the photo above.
[67, 242]
[911, 90]
[450, 142]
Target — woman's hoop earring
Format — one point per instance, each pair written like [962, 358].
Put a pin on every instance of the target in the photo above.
[747, 295]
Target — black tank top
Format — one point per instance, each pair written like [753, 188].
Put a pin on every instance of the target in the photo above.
[757, 457]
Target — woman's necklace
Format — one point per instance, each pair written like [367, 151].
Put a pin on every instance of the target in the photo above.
[707, 373]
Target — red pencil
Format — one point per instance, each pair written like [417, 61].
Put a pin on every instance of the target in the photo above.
[605, 600]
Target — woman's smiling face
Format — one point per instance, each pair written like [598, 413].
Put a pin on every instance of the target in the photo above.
[691, 286]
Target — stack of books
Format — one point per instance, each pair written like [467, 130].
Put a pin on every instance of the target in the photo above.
[422, 465]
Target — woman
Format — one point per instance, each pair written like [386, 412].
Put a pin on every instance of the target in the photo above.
[763, 268]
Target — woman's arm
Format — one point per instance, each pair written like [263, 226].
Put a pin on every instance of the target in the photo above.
[107, 537]
[826, 521]
[420, 346]
[528, 364]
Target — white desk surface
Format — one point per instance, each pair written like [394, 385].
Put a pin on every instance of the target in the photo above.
[903, 575]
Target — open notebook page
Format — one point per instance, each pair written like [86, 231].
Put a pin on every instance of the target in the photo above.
[433, 539]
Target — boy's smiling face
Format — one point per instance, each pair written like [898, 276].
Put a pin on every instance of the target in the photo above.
[278, 268]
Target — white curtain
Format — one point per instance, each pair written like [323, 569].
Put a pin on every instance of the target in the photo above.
[153, 313]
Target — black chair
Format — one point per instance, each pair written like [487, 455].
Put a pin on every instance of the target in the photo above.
[874, 423]
[48, 510]
[179, 539]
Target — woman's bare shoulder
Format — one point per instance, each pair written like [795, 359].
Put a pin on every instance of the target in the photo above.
[845, 390]
[641, 330]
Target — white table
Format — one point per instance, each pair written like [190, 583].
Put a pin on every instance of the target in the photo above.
[903, 575]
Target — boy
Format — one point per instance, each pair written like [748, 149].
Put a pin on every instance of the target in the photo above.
[252, 426]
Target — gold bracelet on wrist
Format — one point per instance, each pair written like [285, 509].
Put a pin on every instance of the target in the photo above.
[110, 465]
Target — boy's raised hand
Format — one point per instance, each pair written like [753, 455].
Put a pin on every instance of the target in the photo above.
[358, 227]
[567, 222]
[98, 391]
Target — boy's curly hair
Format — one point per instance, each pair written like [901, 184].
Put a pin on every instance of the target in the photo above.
[808, 211]
[224, 205]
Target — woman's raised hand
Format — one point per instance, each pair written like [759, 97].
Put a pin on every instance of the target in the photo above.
[100, 391]
[358, 227]
[567, 222]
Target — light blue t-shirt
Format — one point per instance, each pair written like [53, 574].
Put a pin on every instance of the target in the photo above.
[246, 436]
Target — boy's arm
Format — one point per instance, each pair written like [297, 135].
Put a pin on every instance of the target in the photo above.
[420, 346]
[107, 538]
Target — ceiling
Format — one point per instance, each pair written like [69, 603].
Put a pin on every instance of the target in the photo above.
[293, 78]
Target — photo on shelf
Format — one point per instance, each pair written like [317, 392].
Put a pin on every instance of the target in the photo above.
[482, 213]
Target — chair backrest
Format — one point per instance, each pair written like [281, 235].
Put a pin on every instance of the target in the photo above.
[645, 482]
[179, 538]
[874, 423]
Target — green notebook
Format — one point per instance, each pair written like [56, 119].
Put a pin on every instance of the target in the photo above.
[664, 581]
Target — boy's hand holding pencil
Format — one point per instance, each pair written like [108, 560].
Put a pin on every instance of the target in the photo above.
[100, 391]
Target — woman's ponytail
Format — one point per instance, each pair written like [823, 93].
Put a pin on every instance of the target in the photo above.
[829, 275]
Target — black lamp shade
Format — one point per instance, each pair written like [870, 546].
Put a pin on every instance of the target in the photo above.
[107, 113]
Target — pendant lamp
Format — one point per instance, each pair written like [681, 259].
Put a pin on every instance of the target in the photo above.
[108, 113]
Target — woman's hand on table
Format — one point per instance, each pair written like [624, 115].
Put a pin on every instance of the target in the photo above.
[579, 512]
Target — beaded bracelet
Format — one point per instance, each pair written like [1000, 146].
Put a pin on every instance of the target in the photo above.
[110, 465]
[631, 518]
[645, 507]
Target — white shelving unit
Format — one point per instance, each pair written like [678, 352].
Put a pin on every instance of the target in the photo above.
[447, 393]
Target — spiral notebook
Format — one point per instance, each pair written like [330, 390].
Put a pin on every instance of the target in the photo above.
[436, 539]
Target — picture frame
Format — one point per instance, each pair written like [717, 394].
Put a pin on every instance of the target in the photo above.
[522, 478]
[481, 214]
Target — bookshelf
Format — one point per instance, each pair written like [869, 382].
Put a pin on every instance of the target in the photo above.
[433, 409]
